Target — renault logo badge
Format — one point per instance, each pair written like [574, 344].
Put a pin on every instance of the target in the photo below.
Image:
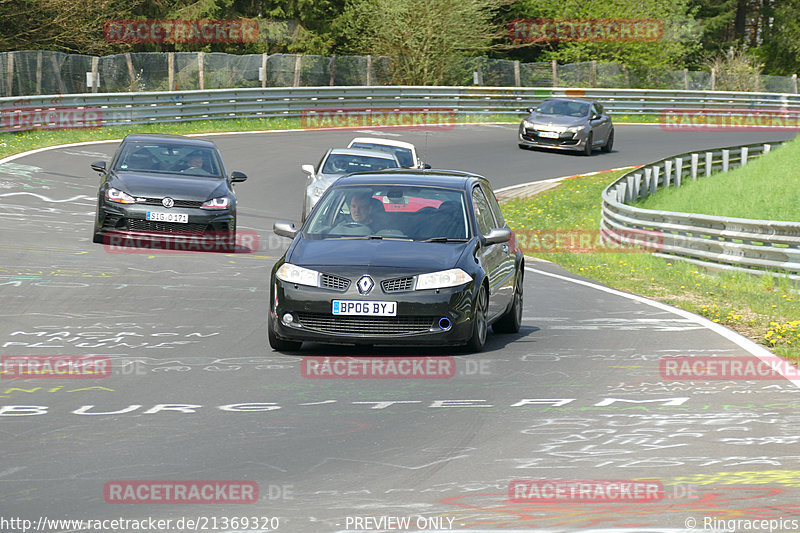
[365, 284]
[167, 202]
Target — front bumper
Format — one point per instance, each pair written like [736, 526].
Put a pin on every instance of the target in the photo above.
[565, 141]
[131, 219]
[418, 321]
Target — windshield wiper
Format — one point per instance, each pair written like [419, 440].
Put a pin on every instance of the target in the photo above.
[444, 239]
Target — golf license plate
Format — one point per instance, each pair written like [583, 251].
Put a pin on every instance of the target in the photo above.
[158, 216]
[364, 308]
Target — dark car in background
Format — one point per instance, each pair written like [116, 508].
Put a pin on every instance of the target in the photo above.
[398, 257]
[567, 124]
[158, 186]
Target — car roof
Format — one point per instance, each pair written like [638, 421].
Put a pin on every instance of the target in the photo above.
[381, 140]
[174, 139]
[362, 152]
[456, 179]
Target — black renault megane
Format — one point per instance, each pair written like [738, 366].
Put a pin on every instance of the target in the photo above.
[162, 186]
[400, 257]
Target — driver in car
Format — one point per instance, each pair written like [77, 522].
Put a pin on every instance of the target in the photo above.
[361, 209]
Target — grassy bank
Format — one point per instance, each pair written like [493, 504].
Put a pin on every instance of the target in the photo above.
[762, 308]
[766, 188]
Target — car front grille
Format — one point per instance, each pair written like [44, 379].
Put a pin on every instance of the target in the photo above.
[178, 203]
[398, 285]
[137, 224]
[383, 326]
[336, 283]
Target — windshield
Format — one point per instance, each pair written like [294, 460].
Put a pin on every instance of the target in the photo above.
[347, 164]
[400, 212]
[561, 107]
[404, 155]
[167, 158]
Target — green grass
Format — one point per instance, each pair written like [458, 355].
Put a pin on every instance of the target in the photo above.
[766, 188]
[762, 308]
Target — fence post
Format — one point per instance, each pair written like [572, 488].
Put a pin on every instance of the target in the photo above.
[725, 158]
[263, 71]
[171, 70]
[95, 73]
[767, 148]
[10, 73]
[593, 73]
[517, 82]
[554, 67]
[369, 70]
[201, 73]
[667, 173]
[713, 79]
[695, 161]
[39, 72]
[794, 83]
[57, 74]
[686, 79]
[333, 70]
[297, 61]
[709, 163]
[648, 182]
[678, 171]
[654, 181]
[130, 71]
[745, 151]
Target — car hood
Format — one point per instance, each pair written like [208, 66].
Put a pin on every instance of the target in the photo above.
[556, 120]
[400, 255]
[173, 185]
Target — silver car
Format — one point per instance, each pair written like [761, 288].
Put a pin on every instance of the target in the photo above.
[336, 163]
[406, 152]
[568, 124]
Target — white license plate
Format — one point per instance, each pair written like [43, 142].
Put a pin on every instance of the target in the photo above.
[549, 134]
[364, 308]
[157, 216]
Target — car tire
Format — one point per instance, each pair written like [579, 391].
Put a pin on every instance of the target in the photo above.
[511, 321]
[480, 328]
[587, 150]
[278, 344]
[609, 143]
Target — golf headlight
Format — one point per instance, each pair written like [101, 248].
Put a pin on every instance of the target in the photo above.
[290, 273]
[223, 202]
[118, 196]
[444, 278]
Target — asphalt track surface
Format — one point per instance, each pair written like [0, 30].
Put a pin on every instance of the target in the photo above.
[576, 394]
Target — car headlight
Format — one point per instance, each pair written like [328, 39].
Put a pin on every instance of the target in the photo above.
[223, 202]
[118, 196]
[576, 129]
[442, 279]
[528, 125]
[290, 273]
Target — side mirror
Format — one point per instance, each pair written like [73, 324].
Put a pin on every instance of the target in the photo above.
[308, 169]
[497, 236]
[285, 229]
[595, 116]
[529, 110]
[426, 166]
[237, 176]
[99, 166]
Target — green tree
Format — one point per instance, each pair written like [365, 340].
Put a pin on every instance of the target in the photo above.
[423, 38]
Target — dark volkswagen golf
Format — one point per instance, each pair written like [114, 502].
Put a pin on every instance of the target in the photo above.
[163, 186]
[398, 257]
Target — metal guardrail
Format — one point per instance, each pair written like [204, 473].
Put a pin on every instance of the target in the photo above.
[760, 246]
[178, 106]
